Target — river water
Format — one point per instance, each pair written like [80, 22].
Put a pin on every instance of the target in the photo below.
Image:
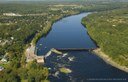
[85, 66]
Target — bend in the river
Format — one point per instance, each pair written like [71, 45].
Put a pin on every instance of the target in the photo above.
[70, 33]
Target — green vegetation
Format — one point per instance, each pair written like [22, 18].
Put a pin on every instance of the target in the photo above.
[24, 23]
[65, 70]
[56, 51]
[21, 24]
[33, 72]
[109, 30]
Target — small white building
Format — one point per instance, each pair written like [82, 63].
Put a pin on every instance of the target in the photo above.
[12, 38]
[11, 14]
[3, 60]
[1, 68]
[40, 59]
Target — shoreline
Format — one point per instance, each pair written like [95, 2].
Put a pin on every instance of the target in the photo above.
[104, 56]
[50, 27]
[30, 55]
[30, 51]
[108, 60]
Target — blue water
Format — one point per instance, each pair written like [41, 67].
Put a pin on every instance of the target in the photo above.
[66, 33]
[86, 66]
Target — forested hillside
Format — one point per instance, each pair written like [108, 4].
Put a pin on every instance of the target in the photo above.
[110, 31]
[22, 23]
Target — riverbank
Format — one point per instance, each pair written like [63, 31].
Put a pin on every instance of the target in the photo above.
[60, 66]
[48, 26]
[30, 55]
[108, 60]
[30, 51]
[105, 33]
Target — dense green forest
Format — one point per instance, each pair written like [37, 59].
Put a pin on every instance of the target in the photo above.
[22, 23]
[109, 30]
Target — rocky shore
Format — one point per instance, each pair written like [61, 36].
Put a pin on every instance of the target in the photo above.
[30, 55]
[108, 60]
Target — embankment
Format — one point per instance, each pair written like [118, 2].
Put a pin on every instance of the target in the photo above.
[30, 51]
[108, 60]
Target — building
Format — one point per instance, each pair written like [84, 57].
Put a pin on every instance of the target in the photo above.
[40, 59]
[1, 68]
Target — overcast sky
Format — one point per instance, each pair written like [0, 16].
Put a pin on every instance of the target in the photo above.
[42, 0]
[25, 0]
[22, 0]
[63, 0]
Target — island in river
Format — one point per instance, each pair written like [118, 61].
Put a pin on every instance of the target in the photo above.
[20, 23]
[80, 65]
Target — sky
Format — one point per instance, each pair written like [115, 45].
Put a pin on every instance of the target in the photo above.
[24, 0]
[31, 0]
[47, 0]
[61, 0]
[44, 0]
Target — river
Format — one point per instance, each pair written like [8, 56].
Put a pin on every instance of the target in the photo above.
[85, 66]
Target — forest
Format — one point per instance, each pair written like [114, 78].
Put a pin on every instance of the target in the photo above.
[25, 23]
[109, 30]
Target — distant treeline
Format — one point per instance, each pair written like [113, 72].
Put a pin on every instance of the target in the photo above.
[17, 32]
